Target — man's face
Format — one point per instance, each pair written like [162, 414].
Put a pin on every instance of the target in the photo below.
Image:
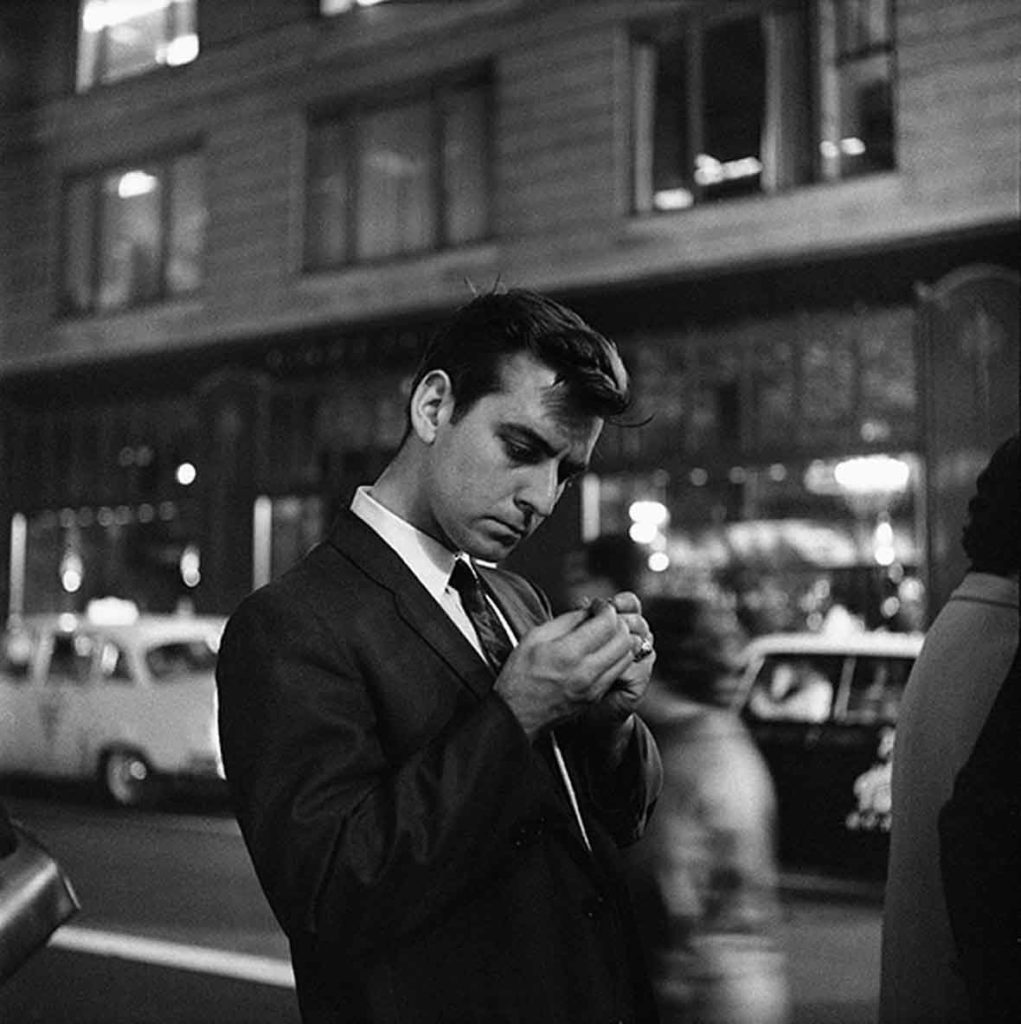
[493, 476]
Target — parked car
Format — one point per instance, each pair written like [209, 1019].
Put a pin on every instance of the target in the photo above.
[823, 711]
[131, 704]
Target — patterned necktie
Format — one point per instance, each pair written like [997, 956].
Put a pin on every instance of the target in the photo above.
[492, 636]
[497, 646]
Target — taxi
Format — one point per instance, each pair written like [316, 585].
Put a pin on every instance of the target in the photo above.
[823, 710]
[124, 699]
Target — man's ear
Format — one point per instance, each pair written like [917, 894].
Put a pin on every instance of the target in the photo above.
[431, 404]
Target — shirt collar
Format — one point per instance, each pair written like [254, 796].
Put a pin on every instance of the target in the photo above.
[426, 557]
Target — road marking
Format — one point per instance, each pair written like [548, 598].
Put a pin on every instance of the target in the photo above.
[263, 970]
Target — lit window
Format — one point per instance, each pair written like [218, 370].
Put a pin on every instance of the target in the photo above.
[121, 38]
[760, 97]
[405, 178]
[339, 6]
[133, 235]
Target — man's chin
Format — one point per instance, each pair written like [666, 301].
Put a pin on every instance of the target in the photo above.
[494, 545]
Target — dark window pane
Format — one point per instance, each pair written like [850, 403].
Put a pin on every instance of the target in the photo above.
[734, 77]
[828, 372]
[187, 226]
[672, 160]
[866, 109]
[130, 261]
[862, 25]
[396, 207]
[775, 391]
[70, 660]
[180, 658]
[79, 234]
[717, 414]
[328, 196]
[465, 166]
[876, 688]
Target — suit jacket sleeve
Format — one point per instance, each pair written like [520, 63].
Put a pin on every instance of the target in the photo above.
[621, 796]
[350, 842]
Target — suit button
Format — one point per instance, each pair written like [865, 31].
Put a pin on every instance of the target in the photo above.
[593, 907]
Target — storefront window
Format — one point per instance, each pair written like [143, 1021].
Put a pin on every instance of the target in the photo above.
[146, 554]
[283, 529]
[781, 543]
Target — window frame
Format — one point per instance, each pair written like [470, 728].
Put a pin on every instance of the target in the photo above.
[163, 164]
[349, 117]
[826, 64]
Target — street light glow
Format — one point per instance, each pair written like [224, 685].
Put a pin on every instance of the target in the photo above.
[872, 474]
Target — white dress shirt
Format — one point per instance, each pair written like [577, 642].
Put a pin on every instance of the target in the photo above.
[428, 559]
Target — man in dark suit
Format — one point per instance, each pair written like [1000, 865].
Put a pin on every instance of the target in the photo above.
[433, 847]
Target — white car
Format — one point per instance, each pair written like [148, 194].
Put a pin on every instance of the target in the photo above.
[823, 710]
[129, 704]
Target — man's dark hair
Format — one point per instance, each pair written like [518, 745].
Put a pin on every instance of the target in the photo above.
[992, 535]
[474, 344]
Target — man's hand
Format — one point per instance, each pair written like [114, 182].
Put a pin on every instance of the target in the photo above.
[582, 662]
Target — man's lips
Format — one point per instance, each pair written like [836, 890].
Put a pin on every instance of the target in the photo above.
[517, 531]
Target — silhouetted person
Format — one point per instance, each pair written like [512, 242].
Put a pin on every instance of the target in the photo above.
[948, 696]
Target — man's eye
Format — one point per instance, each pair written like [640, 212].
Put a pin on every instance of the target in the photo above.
[518, 452]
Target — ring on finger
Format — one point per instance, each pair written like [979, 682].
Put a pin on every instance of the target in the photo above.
[644, 649]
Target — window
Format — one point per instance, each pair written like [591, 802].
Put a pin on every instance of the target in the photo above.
[133, 235]
[121, 38]
[339, 6]
[757, 97]
[113, 664]
[876, 689]
[799, 689]
[404, 178]
[180, 658]
[70, 660]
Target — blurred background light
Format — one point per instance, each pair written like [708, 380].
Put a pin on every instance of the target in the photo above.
[652, 512]
[869, 474]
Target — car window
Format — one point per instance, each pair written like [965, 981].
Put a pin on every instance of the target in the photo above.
[113, 664]
[876, 688]
[179, 658]
[70, 659]
[796, 688]
[16, 655]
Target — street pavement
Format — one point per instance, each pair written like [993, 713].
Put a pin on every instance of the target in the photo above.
[174, 928]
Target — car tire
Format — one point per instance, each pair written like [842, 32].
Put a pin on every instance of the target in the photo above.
[126, 778]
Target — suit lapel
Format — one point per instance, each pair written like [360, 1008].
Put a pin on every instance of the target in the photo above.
[361, 545]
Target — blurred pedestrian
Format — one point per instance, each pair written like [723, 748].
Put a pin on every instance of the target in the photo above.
[608, 565]
[432, 775]
[704, 876]
[947, 699]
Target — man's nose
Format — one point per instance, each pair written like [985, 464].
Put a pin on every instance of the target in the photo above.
[540, 492]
